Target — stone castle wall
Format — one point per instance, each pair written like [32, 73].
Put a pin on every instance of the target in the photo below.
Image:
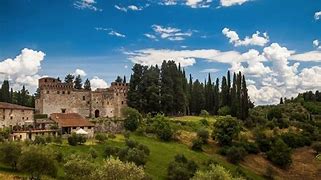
[57, 97]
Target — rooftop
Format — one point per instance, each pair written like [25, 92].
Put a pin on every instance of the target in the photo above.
[5, 105]
[70, 120]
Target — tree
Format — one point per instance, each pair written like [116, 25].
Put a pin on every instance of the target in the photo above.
[181, 168]
[134, 96]
[132, 118]
[203, 135]
[101, 137]
[37, 161]
[87, 85]
[112, 169]
[214, 172]
[78, 168]
[10, 153]
[124, 79]
[5, 91]
[78, 82]
[281, 100]
[280, 154]
[69, 78]
[225, 129]
[316, 147]
[119, 79]
[162, 128]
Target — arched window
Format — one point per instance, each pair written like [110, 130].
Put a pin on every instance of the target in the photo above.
[96, 113]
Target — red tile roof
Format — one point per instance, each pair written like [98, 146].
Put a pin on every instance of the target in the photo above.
[4, 105]
[70, 120]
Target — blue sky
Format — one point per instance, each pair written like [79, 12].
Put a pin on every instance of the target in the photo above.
[104, 38]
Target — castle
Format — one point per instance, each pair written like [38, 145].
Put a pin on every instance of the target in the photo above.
[59, 97]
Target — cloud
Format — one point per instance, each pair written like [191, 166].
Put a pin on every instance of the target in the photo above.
[111, 32]
[151, 36]
[96, 82]
[255, 39]
[130, 7]
[227, 3]
[198, 3]
[170, 33]
[168, 2]
[311, 56]
[316, 44]
[23, 69]
[317, 15]
[80, 72]
[212, 70]
[86, 4]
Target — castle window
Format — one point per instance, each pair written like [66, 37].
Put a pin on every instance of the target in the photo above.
[84, 98]
[63, 92]
[107, 102]
[45, 80]
[47, 92]
[53, 80]
[122, 102]
[89, 127]
[116, 94]
[58, 92]
[63, 110]
[68, 92]
[23, 118]
[10, 117]
[27, 118]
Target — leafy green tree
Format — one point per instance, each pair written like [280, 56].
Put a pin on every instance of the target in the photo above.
[181, 168]
[78, 82]
[78, 168]
[214, 172]
[87, 85]
[224, 111]
[316, 147]
[225, 129]
[4, 91]
[280, 154]
[203, 135]
[134, 95]
[132, 118]
[10, 153]
[101, 137]
[37, 161]
[112, 169]
[162, 128]
[235, 154]
[119, 79]
[69, 78]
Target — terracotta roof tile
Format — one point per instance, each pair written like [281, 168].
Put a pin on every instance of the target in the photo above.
[70, 120]
[4, 105]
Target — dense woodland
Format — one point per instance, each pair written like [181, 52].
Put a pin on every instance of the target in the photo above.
[21, 97]
[167, 90]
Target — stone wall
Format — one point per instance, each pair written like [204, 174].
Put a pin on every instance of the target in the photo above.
[12, 117]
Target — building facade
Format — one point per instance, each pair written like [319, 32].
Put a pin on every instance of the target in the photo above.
[12, 115]
[58, 97]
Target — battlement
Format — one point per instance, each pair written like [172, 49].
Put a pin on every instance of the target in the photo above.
[53, 83]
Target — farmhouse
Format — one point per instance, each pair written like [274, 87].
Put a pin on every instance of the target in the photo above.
[13, 116]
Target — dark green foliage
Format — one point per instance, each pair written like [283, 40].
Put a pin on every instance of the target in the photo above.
[10, 153]
[250, 147]
[110, 151]
[93, 152]
[316, 147]
[274, 113]
[87, 85]
[75, 139]
[162, 128]
[78, 168]
[101, 137]
[57, 140]
[197, 144]
[119, 79]
[263, 141]
[225, 129]
[181, 168]
[59, 156]
[4, 92]
[280, 154]
[132, 118]
[224, 111]
[69, 78]
[78, 82]
[294, 140]
[39, 140]
[235, 154]
[203, 135]
[37, 162]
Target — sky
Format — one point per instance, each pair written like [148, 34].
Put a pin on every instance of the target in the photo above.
[275, 43]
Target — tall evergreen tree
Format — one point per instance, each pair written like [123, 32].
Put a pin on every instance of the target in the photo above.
[124, 79]
[167, 88]
[234, 99]
[224, 92]
[229, 88]
[119, 79]
[134, 96]
[190, 97]
[216, 96]
[198, 102]
[209, 94]
[238, 94]
[78, 82]
[87, 85]
[69, 78]
[5, 91]
[245, 100]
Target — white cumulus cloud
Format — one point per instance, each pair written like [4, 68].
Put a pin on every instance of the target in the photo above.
[80, 72]
[169, 33]
[227, 3]
[96, 82]
[317, 15]
[86, 4]
[255, 39]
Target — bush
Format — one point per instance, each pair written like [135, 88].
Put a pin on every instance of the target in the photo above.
[214, 172]
[197, 144]
[224, 111]
[57, 140]
[10, 153]
[250, 147]
[132, 118]
[101, 137]
[77, 168]
[225, 129]
[39, 140]
[204, 122]
[75, 139]
[317, 147]
[111, 136]
[181, 168]
[48, 139]
[131, 143]
[203, 135]
[162, 128]
[136, 156]
[280, 154]
[204, 114]
[235, 154]
[93, 152]
[110, 151]
[59, 156]
[264, 143]
[275, 112]
[295, 140]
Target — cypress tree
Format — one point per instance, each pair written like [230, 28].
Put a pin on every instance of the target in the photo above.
[124, 79]
[224, 92]
[5, 91]
[238, 94]
[190, 97]
[78, 82]
[229, 88]
[69, 78]
[87, 85]
[119, 79]
[234, 97]
[133, 97]
[245, 100]
[216, 96]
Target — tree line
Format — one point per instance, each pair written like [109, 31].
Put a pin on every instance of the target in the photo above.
[21, 97]
[166, 89]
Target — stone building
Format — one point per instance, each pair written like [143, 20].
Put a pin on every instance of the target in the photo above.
[58, 97]
[12, 115]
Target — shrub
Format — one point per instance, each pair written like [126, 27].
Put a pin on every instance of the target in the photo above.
[111, 136]
[269, 173]
[224, 111]
[162, 128]
[10, 153]
[225, 129]
[181, 168]
[264, 143]
[57, 140]
[115, 169]
[280, 154]
[101, 137]
[316, 147]
[275, 112]
[144, 148]
[132, 118]
[235, 154]
[59, 156]
[136, 156]
[93, 152]
[48, 139]
[110, 151]
[214, 172]
[197, 144]
[250, 147]
[204, 114]
[203, 135]
[204, 122]
[131, 143]
[295, 140]
[39, 140]
[77, 168]
[75, 139]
